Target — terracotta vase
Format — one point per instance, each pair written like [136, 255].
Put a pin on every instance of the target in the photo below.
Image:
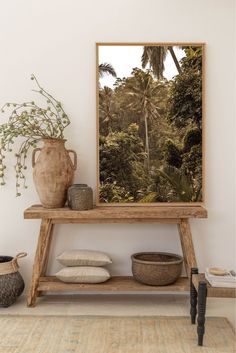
[53, 172]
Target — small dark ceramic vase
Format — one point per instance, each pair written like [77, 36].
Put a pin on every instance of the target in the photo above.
[11, 281]
[80, 197]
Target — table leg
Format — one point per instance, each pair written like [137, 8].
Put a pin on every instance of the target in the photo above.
[46, 254]
[40, 259]
[202, 295]
[187, 245]
[193, 297]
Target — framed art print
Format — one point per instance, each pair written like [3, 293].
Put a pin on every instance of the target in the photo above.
[150, 123]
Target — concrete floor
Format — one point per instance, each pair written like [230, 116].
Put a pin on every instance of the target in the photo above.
[120, 304]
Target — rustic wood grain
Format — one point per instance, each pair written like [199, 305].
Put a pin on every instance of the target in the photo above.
[47, 249]
[216, 292]
[176, 215]
[46, 252]
[187, 245]
[115, 284]
[40, 259]
[117, 214]
[116, 221]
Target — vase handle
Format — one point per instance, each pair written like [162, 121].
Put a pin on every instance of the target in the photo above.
[33, 155]
[74, 165]
[20, 255]
[14, 260]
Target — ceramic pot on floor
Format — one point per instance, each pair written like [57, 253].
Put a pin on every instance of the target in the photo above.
[53, 172]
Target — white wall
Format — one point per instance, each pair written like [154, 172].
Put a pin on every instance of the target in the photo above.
[56, 41]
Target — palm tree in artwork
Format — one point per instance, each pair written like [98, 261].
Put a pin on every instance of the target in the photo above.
[155, 56]
[106, 111]
[142, 89]
[106, 69]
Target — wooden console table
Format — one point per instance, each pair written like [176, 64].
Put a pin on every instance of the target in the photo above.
[126, 214]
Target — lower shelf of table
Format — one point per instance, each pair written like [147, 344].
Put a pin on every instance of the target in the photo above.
[115, 284]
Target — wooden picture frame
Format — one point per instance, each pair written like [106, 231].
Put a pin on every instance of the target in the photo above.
[111, 192]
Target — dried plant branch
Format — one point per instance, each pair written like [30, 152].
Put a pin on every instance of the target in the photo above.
[32, 123]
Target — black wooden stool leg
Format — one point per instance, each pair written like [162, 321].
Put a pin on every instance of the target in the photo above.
[193, 297]
[202, 294]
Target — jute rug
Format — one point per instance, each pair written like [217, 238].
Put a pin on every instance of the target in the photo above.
[71, 334]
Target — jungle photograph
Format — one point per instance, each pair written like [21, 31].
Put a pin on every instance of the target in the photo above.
[150, 123]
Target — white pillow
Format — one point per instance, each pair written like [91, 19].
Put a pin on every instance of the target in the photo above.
[83, 274]
[83, 258]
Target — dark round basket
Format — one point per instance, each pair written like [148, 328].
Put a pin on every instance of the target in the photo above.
[11, 281]
[156, 268]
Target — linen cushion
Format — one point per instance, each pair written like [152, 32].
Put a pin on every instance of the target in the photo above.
[83, 274]
[83, 258]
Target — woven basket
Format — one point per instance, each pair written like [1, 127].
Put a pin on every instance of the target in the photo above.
[11, 281]
[9, 264]
[156, 268]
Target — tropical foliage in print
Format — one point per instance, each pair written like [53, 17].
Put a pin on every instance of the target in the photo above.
[150, 128]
